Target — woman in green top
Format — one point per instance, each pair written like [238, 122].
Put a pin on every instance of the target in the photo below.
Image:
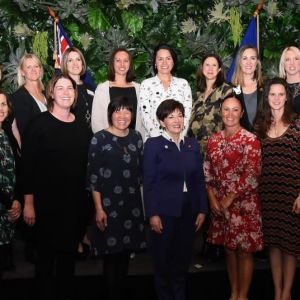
[10, 208]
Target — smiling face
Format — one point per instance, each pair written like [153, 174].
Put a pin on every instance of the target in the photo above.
[3, 108]
[248, 62]
[291, 63]
[173, 123]
[121, 63]
[121, 119]
[63, 94]
[210, 68]
[164, 62]
[74, 64]
[231, 113]
[277, 97]
[31, 70]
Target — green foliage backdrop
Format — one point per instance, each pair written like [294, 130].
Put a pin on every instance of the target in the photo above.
[193, 27]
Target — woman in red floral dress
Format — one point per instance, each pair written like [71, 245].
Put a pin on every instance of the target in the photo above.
[233, 161]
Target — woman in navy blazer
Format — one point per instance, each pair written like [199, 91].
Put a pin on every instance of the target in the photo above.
[175, 199]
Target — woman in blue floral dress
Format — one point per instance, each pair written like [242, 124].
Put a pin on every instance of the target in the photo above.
[114, 172]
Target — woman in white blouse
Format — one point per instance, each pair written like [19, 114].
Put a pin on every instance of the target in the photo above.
[163, 86]
[119, 84]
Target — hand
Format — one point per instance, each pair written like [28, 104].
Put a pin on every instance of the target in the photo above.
[15, 211]
[101, 219]
[156, 225]
[216, 207]
[296, 205]
[29, 214]
[199, 221]
[227, 201]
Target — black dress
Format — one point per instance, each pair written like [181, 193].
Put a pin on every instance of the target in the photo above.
[130, 93]
[114, 170]
[54, 159]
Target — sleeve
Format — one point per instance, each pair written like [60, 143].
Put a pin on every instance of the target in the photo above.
[201, 181]
[140, 147]
[147, 111]
[248, 180]
[22, 111]
[150, 179]
[95, 165]
[207, 166]
[99, 108]
[29, 152]
[188, 104]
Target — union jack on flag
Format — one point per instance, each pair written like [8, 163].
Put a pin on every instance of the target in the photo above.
[63, 41]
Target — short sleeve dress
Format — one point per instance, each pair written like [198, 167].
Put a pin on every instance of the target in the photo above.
[233, 165]
[114, 170]
[279, 186]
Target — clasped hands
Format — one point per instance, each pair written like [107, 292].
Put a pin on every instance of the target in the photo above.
[218, 207]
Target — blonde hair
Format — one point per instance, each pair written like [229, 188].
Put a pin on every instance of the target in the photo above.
[64, 60]
[20, 77]
[296, 50]
[237, 77]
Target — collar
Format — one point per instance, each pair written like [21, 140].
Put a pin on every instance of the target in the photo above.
[167, 137]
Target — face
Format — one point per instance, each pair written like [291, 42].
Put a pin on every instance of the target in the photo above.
[121, 63]
[231, 112]
[121, 119]
[31, 70]
[173, 123]
[74, 63]
[63, 94]
[164, 62]
[3, 108]
[291, 63]
[277, 97]
[248, 61]
[211, 68]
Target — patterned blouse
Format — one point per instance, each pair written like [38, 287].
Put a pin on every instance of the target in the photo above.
[152, 93]
[7, 184]
[205, 118]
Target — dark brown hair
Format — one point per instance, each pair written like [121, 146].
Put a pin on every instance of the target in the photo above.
[168, 106]
[111, 70]
[264, 118]
[200, 78]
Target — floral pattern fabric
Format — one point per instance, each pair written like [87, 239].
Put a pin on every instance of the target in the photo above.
[152, 93]
[114, 170]
[7, 185]
[233, 165]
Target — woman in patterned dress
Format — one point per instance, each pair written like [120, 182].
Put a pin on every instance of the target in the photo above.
[10, 208]
[231, 168]
[212, 89]
[164, 85]
[289, 68]
[114, 177]
[279, 129]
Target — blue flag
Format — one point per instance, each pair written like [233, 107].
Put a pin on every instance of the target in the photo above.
[64, 43]
[250, 37]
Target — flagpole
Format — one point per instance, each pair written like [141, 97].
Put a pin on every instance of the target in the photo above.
[56, 19]
[256, 14]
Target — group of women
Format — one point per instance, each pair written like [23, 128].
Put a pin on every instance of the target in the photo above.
[235, 147]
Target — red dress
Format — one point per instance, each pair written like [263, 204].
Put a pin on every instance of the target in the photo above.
[232, 165]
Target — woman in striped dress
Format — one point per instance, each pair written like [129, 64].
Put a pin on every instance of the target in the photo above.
[279, 129]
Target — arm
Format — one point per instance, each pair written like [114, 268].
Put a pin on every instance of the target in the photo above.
[100, 216]
[187, 103]
[147, 111]
[15, 211]
[99, 108]
[29, 211]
